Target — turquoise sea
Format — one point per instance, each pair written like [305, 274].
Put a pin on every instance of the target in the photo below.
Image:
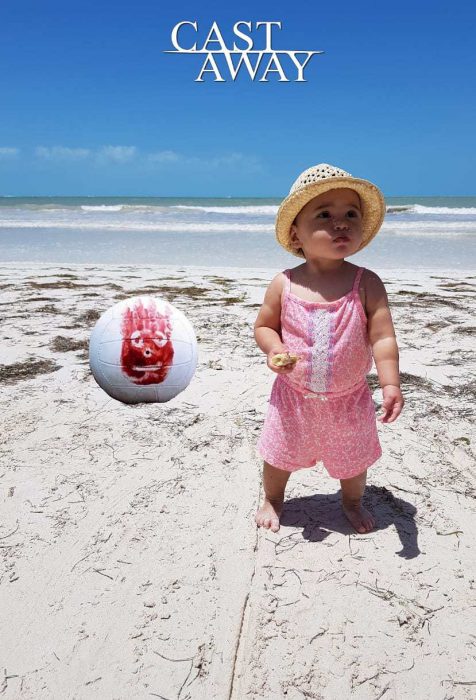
[418, 232]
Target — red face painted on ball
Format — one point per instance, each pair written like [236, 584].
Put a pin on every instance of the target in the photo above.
[147, 351]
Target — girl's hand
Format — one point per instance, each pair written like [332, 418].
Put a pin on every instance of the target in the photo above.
[269, 359]
[392, 405]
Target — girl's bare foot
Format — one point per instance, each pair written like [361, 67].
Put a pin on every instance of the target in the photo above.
[352, 492]
[359, 518]
[268, 515]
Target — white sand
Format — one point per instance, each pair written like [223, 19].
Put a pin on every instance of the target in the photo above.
[132, 566]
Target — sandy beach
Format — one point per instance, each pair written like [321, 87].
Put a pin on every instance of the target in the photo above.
[131, 563]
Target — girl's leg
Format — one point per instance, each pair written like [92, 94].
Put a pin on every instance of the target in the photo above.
[352, 492]
[274, 484]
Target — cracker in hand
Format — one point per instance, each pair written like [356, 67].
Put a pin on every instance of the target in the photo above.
[284, 358]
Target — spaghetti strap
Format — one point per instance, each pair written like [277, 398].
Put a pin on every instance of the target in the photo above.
[286, 289]
[288, 277]
[355, 288]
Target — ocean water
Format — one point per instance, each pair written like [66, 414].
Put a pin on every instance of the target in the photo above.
[417, 233]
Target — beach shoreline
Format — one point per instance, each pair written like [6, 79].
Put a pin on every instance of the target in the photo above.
[417, 232]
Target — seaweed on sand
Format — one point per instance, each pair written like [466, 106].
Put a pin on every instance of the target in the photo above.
[88, 317]
[63, 344]
[169, 293]
[28, 369]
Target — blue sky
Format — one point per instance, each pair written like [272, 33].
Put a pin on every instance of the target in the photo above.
[91, 104]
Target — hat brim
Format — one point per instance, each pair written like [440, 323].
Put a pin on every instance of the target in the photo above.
[372, 201]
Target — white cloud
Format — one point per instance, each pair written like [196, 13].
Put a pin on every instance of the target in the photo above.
[61, 153]
[164, 157]
[249, 164]
[104, 155]
[234, 159]
[116, 154]
[7, 152]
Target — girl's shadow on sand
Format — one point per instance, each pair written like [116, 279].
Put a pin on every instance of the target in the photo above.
[321, 514]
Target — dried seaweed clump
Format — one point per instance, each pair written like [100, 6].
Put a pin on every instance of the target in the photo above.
[63, 344]
[89, 317]
[168, 293]
[413, 381]
[30, 368]
[62, 284]
[373, 382]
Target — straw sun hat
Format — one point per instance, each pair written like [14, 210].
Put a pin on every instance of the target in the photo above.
[321, 178]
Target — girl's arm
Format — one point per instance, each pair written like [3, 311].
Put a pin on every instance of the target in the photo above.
[384, 345]
[267, 327]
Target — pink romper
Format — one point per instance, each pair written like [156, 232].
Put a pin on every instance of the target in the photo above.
[322, 411]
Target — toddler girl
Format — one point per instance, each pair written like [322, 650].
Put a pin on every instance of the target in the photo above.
[333, 316]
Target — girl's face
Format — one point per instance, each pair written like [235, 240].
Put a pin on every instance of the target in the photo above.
[329, 226]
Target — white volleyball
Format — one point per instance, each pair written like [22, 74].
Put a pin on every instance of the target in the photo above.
[143, 350]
